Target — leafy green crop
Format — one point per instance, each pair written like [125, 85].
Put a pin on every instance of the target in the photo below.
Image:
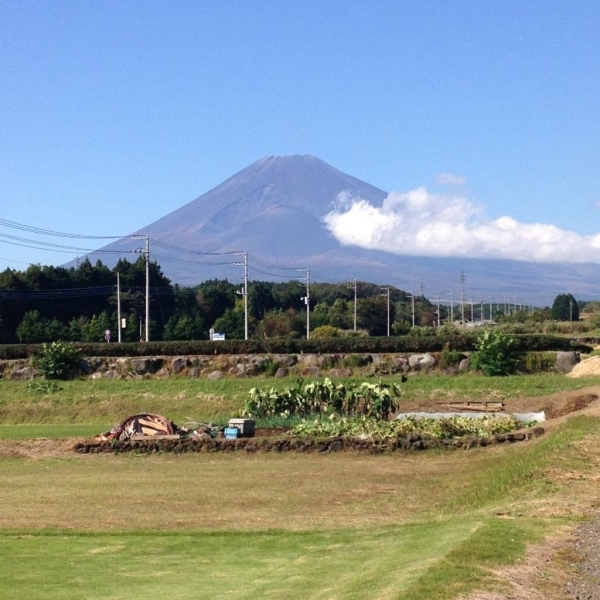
[375, 400]
[446, 428]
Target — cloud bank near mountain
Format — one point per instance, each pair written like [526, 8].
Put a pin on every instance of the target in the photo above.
[420, 223]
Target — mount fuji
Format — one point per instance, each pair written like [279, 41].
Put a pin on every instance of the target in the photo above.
[274, 210]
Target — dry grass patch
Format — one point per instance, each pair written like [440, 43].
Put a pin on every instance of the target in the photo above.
[295, 492]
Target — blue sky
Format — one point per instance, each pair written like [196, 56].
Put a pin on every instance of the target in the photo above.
[114, 114]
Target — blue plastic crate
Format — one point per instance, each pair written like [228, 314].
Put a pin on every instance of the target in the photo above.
[232, 433]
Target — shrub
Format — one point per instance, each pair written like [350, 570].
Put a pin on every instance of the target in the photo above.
[537, 362]
[269, 367]
[356, 361]
[44, 387]
[466, 342]
[326, 331]
[495, 354]
[57, 360]
[450, 358]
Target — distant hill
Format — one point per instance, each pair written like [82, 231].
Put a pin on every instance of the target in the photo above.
[273, 210]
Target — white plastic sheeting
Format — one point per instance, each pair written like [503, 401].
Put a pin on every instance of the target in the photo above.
[538, 417]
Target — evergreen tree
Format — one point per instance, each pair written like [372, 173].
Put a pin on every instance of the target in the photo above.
[565, 308]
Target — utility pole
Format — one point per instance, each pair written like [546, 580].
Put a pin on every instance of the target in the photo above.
[387, 289]
[412, 301]
[451, 315]
[571, 311]
[353, 285]
[244, 291]
[307, 302]
[146, 252]
[438, 311]
[462, 300]
[118, 308]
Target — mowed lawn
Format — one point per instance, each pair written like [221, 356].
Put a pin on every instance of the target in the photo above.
[422, 525]
[378, 563]
[431, 525]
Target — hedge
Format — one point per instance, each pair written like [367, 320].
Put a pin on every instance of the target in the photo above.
[373, 345]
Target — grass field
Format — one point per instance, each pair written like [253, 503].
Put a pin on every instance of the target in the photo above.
[91, 402]
[420, 525]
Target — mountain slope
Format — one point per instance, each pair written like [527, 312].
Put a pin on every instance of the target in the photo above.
[273, 210]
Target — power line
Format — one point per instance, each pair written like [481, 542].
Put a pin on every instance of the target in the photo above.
[166, 246]
[30, 229]
[39, 245]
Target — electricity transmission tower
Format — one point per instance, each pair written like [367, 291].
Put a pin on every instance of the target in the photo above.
[353, 285]
[462, 299]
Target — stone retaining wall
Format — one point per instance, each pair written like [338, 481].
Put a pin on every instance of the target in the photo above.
[275, 365]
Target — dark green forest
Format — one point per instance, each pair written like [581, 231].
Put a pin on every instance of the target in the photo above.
[48, 303]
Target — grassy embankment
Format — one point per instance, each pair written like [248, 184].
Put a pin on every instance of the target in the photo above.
[429, 525]
[85, 407]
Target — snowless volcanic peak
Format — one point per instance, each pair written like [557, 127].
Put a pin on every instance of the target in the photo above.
[272, 208]
[305, 183]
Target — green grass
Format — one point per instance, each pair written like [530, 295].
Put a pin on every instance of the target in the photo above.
[106, 401]
[490, 388]
[413, 561]
[496, 543]
[508, 477]
[431, 526]
[51, 432]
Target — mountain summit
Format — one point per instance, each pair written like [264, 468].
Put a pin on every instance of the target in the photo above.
[274, 210]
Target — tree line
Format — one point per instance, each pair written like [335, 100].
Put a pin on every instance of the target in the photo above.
[48, 303]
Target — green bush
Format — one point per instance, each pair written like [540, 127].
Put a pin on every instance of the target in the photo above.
[326, 331]
[450, 358]
[496, 354]
[269, 367]
[57, 360]
[537, 362]
[356, 361]
[44, 387]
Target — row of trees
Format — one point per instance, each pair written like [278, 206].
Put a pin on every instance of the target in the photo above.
[46, 303]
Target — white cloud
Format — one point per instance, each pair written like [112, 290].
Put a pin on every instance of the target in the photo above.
[450, 179]
[419, 223]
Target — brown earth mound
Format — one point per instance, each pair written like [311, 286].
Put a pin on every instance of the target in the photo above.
[586, 368]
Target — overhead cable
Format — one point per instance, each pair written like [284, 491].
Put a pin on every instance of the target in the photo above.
[30, 229]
